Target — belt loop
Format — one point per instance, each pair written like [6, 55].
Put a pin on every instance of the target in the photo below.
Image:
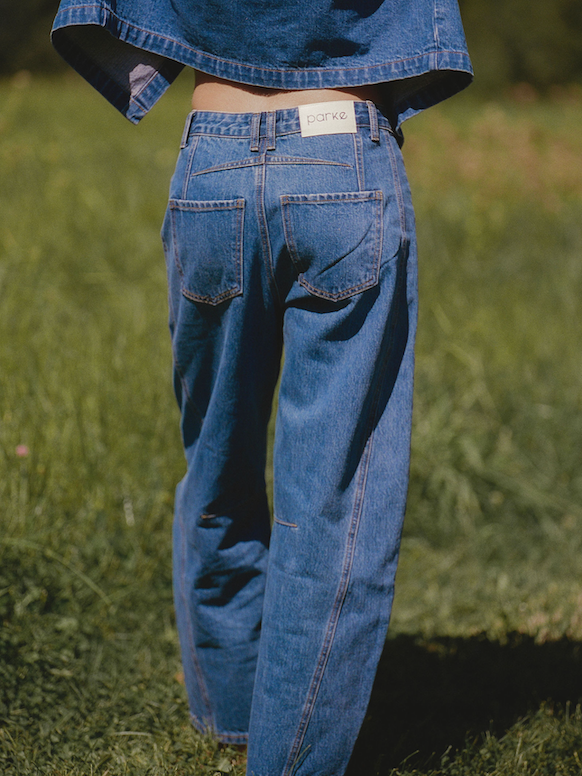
[186, 132]
[271, 129]
[255, 131]
[373, 116]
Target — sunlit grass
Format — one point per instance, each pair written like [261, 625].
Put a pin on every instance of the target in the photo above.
[490, 583]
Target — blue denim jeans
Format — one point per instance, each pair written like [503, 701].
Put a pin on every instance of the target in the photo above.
[274, 240]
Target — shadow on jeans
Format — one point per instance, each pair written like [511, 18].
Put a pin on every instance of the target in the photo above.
[433, 694]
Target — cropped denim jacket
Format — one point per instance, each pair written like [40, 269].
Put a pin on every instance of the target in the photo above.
[131, 50]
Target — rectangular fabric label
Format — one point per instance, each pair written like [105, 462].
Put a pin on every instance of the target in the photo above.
[327, 118]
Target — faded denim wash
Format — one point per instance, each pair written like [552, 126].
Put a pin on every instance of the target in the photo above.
[274, 240]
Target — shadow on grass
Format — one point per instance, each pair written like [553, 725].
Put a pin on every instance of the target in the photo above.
[430, 695]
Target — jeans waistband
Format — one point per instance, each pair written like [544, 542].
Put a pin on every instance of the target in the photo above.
[270, 124]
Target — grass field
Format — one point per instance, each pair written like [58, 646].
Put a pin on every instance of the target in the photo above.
[482, 672]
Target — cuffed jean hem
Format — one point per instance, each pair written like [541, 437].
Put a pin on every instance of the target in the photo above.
[223, 736]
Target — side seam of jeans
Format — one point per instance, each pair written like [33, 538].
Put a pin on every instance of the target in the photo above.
[296, 756]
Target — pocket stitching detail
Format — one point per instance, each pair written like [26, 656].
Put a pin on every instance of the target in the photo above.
[202, 206]
[315, 199]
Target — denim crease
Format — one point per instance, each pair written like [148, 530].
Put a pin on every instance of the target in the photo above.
[277, 242]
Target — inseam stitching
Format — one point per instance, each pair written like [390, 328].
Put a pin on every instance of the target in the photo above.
[192, 648]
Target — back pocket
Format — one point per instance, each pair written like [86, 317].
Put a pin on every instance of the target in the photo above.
[207, 247]
[334, 240]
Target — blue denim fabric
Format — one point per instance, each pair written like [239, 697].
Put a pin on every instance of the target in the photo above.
[274, 240]
[131, 51]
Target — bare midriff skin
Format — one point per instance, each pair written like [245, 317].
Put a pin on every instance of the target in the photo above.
[216, 94]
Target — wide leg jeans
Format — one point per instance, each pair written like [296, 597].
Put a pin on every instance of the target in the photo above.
[279, 244]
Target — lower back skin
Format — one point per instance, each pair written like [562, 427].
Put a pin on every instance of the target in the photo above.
[216, 94]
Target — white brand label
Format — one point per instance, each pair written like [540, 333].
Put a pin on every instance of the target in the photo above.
[327, 118]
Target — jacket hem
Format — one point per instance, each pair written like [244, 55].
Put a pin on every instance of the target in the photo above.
[447, 72]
